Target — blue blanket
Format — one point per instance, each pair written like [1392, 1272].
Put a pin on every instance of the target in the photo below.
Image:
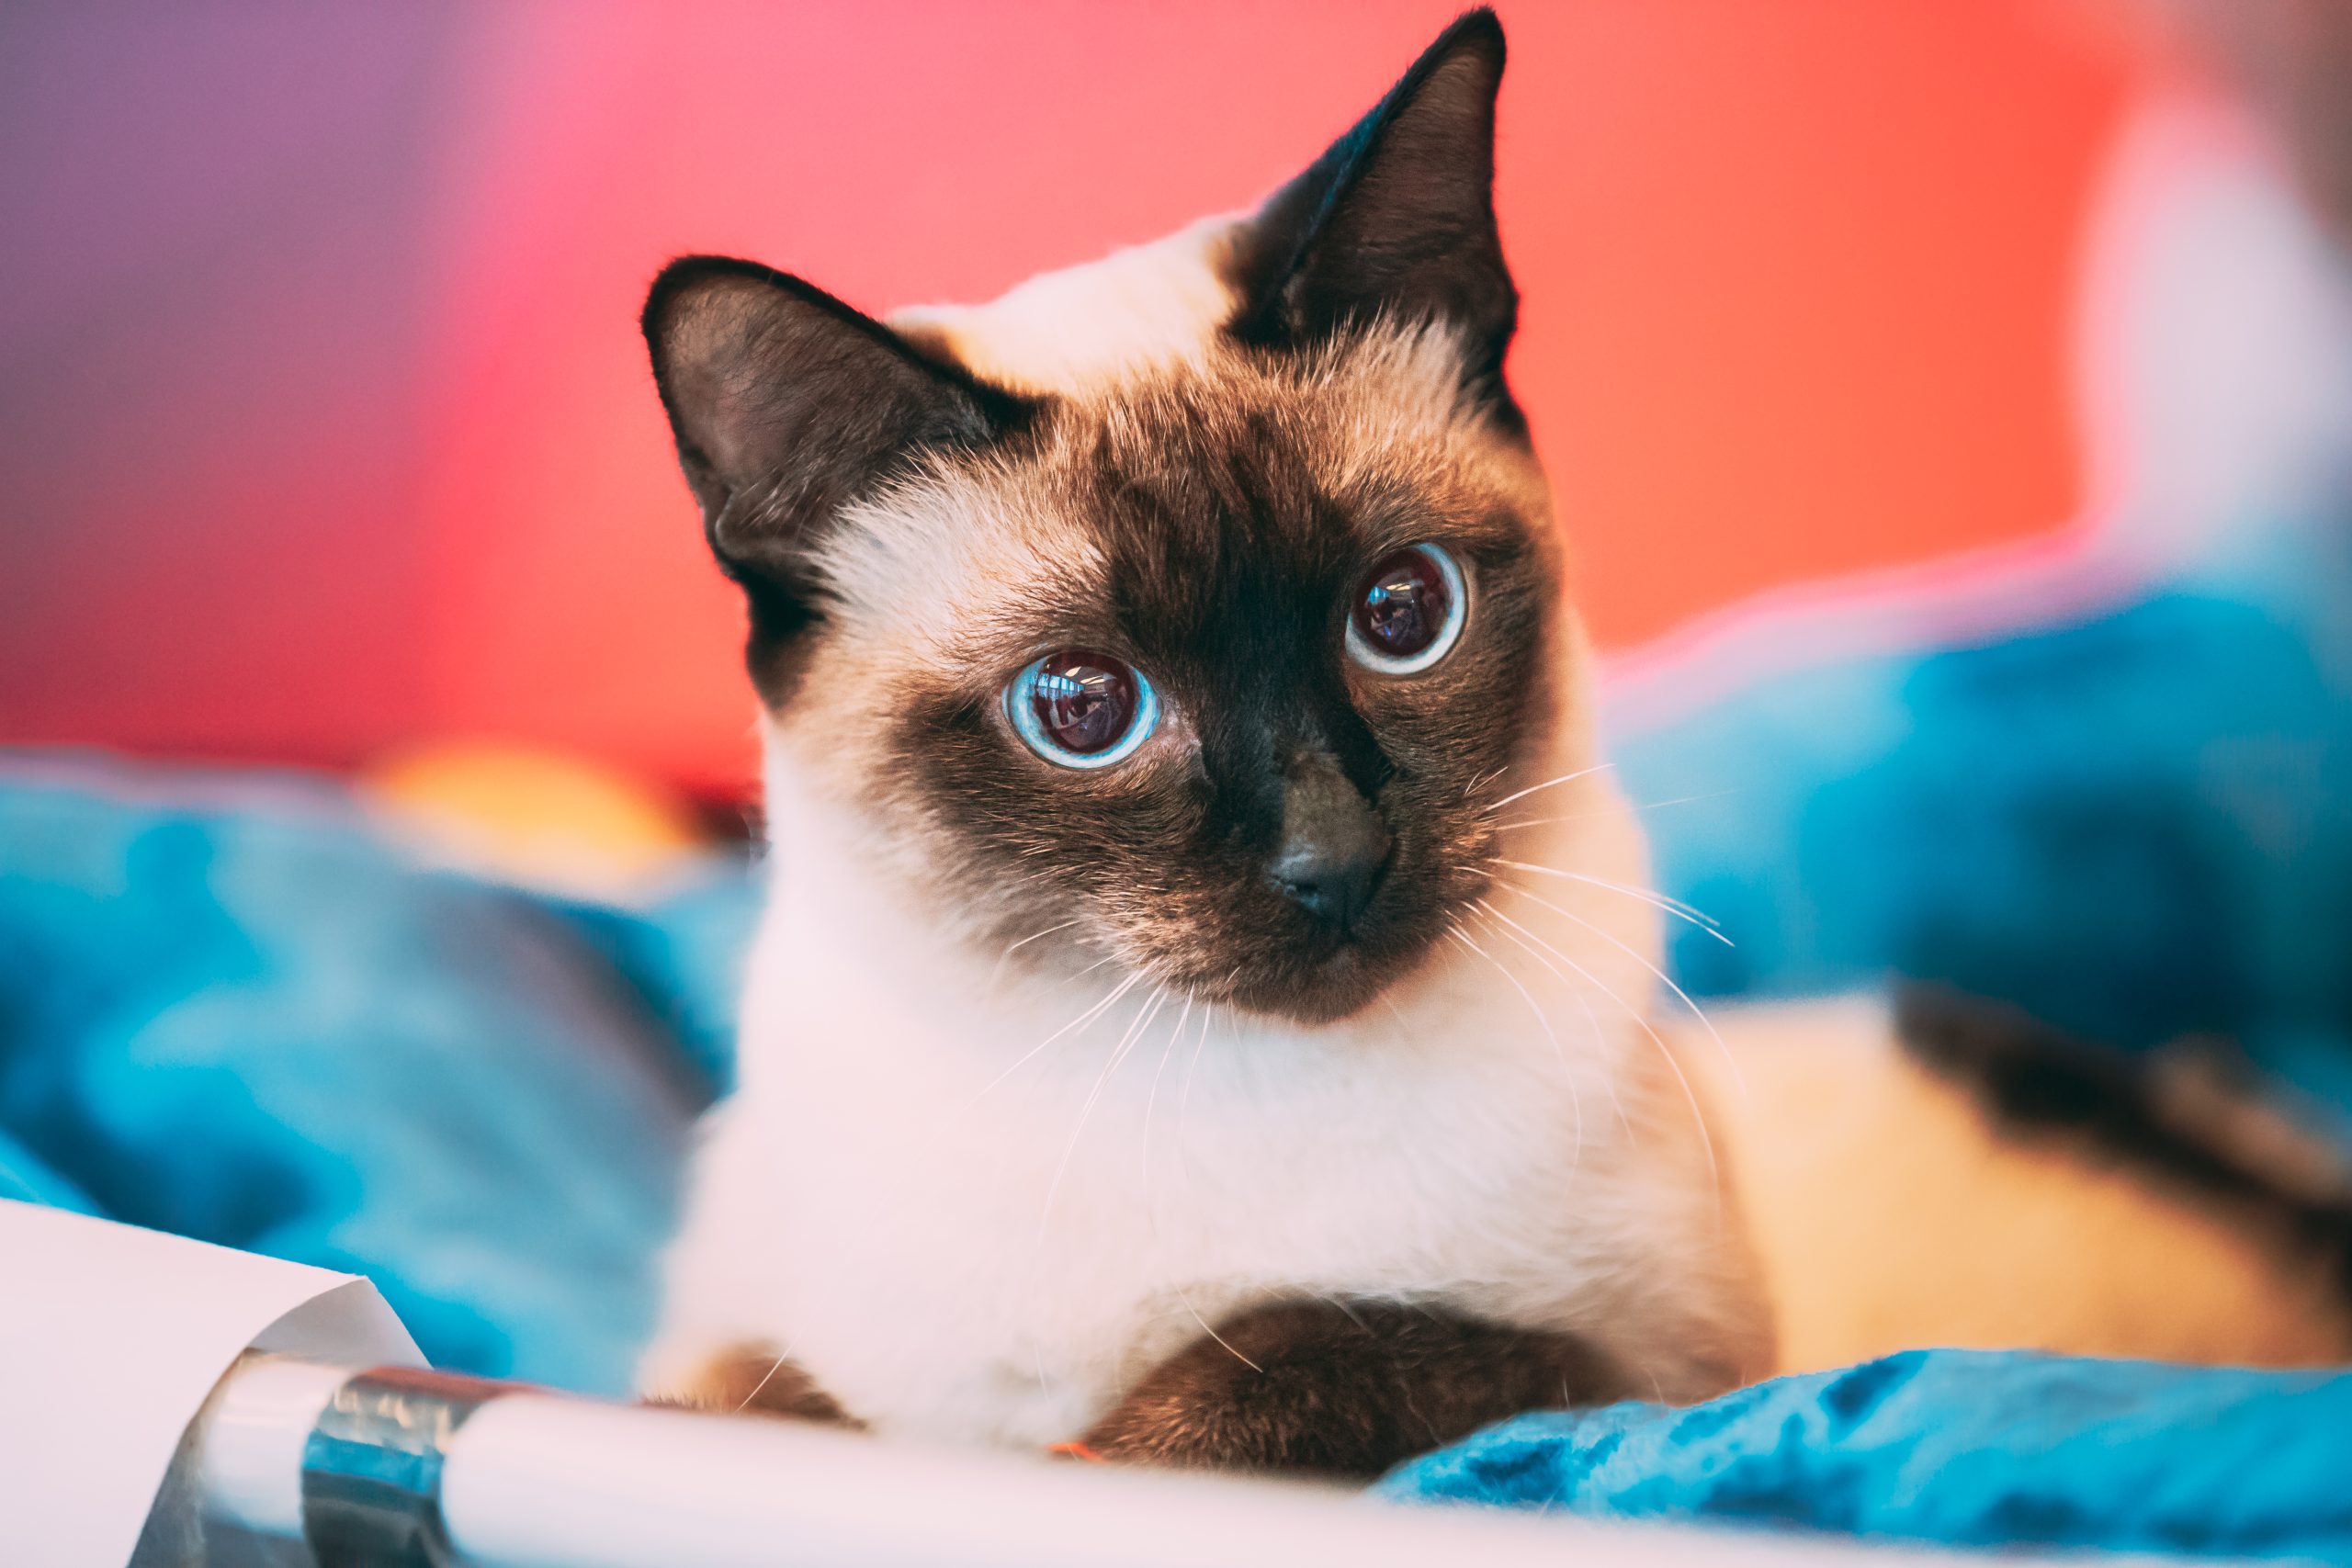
[2135, 826]
[1960, 1447]
[228, 1010]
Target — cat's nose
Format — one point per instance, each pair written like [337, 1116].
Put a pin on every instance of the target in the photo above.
[1334, 846]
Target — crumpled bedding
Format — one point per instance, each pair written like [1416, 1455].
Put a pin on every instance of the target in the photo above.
[1963, 1448]
[233, 1010]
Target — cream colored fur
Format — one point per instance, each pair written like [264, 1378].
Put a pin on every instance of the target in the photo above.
[1890, 1213]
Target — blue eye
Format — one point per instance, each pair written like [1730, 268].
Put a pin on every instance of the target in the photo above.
[1081, 710]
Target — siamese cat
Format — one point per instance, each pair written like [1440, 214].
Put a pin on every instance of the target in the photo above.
[1201, 1015]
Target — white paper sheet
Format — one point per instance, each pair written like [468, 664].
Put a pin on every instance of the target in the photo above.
[110, 1340]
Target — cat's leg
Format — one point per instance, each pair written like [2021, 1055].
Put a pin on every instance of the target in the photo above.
[753, 1379]
[722, 1340]
[1343, 1390]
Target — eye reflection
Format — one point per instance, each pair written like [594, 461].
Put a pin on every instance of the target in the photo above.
[1407, 610]
[1078, 708]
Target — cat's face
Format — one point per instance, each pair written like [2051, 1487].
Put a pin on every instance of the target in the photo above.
[1223, 666]
[1213, 665]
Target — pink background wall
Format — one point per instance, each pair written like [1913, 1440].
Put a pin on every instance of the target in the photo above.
[324, 427]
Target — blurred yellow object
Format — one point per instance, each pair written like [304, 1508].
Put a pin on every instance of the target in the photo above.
[544, 819]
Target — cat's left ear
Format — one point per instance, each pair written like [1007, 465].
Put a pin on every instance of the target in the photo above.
[1396, 218]
[789, 406]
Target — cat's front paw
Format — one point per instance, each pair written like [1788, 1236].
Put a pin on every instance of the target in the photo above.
[748, 1380]
[1246, 1399]
[1318, 1388]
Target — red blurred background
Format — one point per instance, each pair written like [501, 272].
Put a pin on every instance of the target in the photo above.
[324, 427]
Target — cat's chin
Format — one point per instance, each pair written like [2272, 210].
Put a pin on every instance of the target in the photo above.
[1340, 986]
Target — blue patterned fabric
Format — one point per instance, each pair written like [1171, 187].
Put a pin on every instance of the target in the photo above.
[228, 1010]
[2135, 826]
[1958, 1447]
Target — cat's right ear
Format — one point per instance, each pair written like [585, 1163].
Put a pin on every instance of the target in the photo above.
[1396, 218]
[787, 406]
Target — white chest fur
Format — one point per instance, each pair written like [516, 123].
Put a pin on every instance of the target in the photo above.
[959, 1236]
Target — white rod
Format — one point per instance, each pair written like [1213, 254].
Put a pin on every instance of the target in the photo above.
[253, 1436]
[539, 1481]
[543, 1483]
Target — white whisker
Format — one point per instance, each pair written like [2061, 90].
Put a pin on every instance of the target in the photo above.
[1470, 790]
[1589, 816]
[1640, 1020]
[1089, 1016]
[1046, 1211]
[1202, 1325]
[1576, 1100]
[1033, 936]
[1184, 1100]
[1340, 1304]
[1150, 1214]
[1521, 935]
[1664, 903]
[1191, 1180]
[1144, 1015]
[774, 1367]
[996, 974]
[1658, 973]
[1547, 783]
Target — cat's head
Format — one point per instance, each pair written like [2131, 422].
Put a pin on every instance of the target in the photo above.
[1192, 609]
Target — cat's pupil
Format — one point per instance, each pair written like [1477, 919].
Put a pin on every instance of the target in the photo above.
[1402, 604]
[1084, 701]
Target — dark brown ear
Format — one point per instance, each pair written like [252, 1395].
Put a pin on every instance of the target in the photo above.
[787, 405]
[1397, 217]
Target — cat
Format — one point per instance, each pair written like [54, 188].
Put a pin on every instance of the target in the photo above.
[1201, 1015]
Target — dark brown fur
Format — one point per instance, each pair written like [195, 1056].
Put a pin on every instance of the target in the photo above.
[2182, 1117]
[1343, 1390]
[754, 1381]
[1233, 569]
